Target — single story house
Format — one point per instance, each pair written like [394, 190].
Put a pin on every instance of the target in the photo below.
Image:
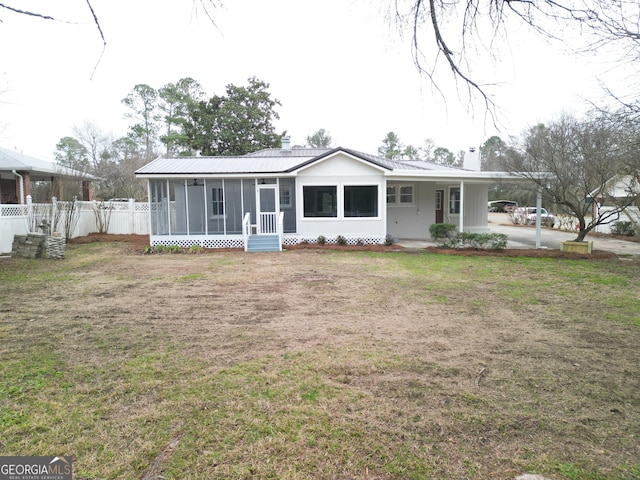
[18, 171]
[284, 196]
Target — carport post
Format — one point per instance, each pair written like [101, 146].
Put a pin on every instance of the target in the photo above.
[538, 218]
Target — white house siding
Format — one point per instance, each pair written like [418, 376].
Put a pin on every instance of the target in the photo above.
[630, 214]
[475, 211]
[413, 221]
[339, 171]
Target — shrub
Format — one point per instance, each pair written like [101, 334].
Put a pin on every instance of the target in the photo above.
[321, 240]
[497, 241]
[195, 248]
[361, 242]
[623, 228]
[148, 249]
[483, 241]
[173, 249]
[478, 241]
[442, 230]
[445, 234]
[159, 248]
[340, 240]
[388, 240]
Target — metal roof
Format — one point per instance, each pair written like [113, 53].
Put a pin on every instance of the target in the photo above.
[293, 152]
[221, 165]
[14, 160]
[279, 161]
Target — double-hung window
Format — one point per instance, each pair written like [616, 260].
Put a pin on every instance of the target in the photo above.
[286, 196]
[454, 200]
[217, 202]
[400, 194]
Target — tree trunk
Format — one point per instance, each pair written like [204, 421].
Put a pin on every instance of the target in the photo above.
[582, 233]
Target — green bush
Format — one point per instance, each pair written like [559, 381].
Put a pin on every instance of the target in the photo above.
[341, 240]
[388, 240]
[623, 228]
[442, 230]
[447, 236]
[321, 240]
[483, 241]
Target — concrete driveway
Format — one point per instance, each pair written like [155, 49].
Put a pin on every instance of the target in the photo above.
[524, 236]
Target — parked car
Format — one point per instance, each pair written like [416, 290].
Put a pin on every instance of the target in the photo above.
[527, 216]
[502, 206]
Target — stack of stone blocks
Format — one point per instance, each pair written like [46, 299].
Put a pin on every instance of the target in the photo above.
[38, 245]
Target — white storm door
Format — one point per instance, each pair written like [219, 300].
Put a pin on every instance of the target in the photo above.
[267, 202]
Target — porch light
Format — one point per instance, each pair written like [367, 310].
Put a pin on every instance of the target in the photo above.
[195, 183]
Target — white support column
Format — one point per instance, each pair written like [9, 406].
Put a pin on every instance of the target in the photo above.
[538, 218]
[186, 203]
[461, 219]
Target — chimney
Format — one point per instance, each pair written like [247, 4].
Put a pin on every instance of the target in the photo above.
[472, 160]
[286, 143]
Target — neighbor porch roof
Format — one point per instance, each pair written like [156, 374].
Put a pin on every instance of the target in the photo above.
[13, 160]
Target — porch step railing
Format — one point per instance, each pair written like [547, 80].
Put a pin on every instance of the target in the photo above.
[268, 223]
[271, 226]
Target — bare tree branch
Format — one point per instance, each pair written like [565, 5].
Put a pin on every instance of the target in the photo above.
[25, 12]
[576, 26]
[104, 41]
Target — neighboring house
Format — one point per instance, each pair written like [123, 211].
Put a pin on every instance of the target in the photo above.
[292, 195]
[18, 171]
[618, 200]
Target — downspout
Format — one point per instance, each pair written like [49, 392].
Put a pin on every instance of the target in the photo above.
[21, 185]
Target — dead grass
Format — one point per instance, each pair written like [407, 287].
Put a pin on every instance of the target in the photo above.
[321, 364]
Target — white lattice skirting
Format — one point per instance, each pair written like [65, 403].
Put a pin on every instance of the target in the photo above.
[368, 240]
[212, 242]
[203, 242]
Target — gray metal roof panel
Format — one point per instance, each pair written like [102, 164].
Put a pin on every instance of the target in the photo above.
[294, 152]
[274, 160]
[220, 165]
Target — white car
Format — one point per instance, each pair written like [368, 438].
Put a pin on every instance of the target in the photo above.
[527, 216]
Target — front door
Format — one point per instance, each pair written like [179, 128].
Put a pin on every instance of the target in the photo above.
[267, 202]
[439, 206]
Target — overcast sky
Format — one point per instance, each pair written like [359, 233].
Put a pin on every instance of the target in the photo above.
[333, 64]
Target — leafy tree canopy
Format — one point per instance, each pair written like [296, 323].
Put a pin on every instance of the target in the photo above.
[237, 123]
[320, 139]
[70, 153]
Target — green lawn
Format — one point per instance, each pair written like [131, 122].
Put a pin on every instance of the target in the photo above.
[310, 364]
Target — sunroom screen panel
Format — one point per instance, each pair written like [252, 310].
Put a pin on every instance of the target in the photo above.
[233, 206]
[178, 207]
[215, 207]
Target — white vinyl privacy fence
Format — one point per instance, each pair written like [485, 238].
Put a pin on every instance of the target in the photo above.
[72, 219]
